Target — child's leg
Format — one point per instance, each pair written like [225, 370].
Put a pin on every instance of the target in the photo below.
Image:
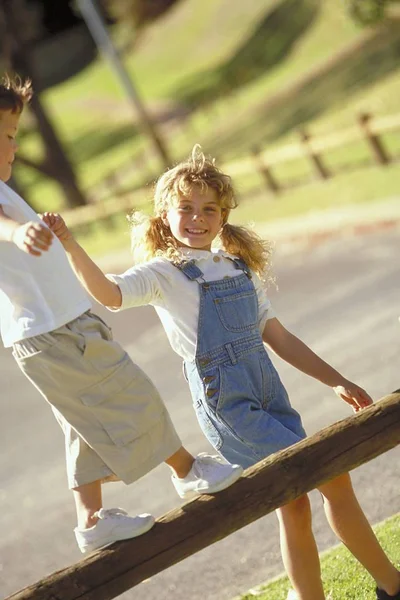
[180, 462]
[299, 550]
[98, 527]
[203, 474]
[88, 500]
[349, 523]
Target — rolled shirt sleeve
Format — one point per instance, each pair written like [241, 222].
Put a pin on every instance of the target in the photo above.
[139, 286]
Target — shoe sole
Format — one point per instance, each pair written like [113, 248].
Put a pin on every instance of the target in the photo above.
[127, 536]
[215, 488]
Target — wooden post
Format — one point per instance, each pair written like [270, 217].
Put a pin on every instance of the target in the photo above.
[379, 152]
[110, 183]
[140, 163]
[265, 171]
[98, 28]
[320, 169]
[271, 483]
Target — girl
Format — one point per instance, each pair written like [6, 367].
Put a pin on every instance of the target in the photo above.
[217, 317]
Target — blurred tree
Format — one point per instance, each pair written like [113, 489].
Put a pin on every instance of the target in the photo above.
[49, 29]
[369, 12]
[138, 12]
[49, 42]
[19, 28]
[52, 17]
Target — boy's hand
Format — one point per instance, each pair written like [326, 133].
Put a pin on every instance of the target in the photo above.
[353, 395]
[32, 238]
[56, 223]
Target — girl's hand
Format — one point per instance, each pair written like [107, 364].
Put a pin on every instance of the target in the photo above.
[56, 223]
[353, 395]
[32, 238]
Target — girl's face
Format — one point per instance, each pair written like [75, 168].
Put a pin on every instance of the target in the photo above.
[195, 221]
[8, 146]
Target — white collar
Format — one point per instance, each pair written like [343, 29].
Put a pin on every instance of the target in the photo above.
[194, 254]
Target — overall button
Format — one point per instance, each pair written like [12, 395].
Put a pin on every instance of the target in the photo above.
[204, 362]
[208, 378]
[216, 259]
[211, 393]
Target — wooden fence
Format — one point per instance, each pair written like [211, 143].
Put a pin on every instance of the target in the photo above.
[368, 129]
[271, 483]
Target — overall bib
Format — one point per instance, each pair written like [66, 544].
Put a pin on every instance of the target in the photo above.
[239, 399]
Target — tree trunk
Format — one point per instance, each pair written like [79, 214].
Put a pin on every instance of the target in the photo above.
[18, 56]
[61, 167]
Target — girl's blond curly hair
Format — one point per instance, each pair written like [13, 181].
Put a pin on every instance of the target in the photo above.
[152, 237]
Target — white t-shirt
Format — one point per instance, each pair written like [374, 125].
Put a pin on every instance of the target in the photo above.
[37, 293]
[176, 298]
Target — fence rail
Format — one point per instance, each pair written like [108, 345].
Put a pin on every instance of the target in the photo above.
[271, 483]
[368, 129]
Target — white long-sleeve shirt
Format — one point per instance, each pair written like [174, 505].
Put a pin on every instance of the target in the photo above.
[176, 298]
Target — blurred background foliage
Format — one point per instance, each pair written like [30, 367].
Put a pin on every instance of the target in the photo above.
[223, 73]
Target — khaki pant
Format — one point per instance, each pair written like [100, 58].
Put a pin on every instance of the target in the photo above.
[115, 424]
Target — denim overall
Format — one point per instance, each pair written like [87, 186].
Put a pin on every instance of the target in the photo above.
[239, 399]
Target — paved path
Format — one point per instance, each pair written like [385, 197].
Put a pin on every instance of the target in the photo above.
[342, 298]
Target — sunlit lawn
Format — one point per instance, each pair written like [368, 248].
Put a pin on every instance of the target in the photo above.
[357, 187]
[343, 577]
[95, 119]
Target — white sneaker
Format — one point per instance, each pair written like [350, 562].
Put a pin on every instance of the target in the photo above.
[293, 596]
[209, 474]
[114, 524]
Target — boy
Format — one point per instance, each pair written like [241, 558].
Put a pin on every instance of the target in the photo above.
[115, 423]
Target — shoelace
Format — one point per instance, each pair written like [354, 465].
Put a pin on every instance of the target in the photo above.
[104, 513]
[205, 462]
[210, 458]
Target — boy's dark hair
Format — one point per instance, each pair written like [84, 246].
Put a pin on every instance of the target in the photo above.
[14, 93]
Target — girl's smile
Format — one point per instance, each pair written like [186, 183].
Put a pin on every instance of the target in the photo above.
[196, 221]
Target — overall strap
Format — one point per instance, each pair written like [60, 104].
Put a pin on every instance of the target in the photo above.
[189, 268]
[240, 264]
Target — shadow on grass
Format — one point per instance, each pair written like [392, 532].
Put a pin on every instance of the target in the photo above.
[331, 84]
[99, 140]
[269, 43]
[92, 143]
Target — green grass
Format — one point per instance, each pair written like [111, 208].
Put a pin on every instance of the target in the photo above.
[343, 576]
[218, 44]
[359, 187]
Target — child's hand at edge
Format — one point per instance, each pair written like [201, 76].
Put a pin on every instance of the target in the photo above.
[32, 238]
[353, 395]
[56, 223]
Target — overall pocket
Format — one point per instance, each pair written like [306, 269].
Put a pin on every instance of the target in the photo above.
[207, 426]
[270, 380]
[238, 312]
